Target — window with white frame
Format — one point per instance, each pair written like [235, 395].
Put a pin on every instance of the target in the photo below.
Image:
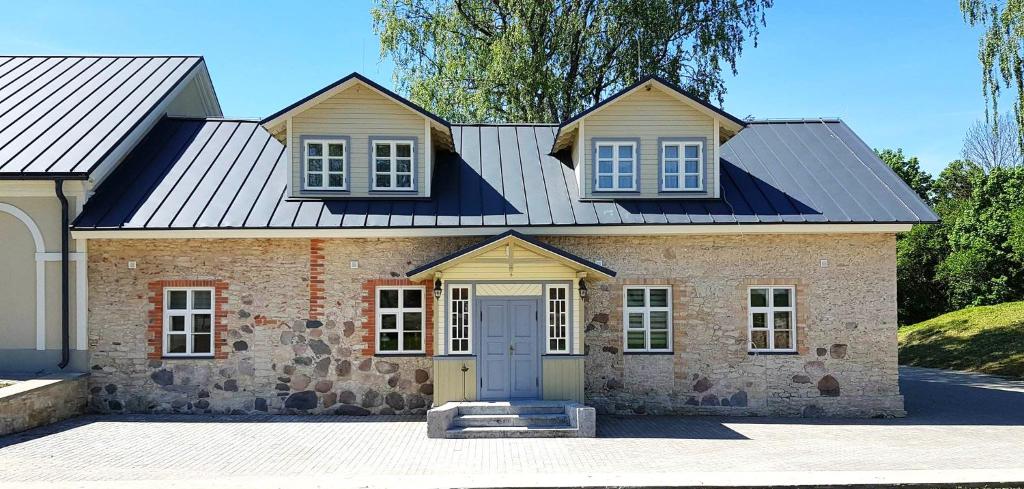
[682, 166]
[459, 339]
[772, 318]
[558, 319]
[188, 322]
[401, 320]
[392, 165]
[647, 316]
[615, 166]
[325, 164]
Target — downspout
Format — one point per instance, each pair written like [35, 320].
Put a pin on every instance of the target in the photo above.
[65, 348]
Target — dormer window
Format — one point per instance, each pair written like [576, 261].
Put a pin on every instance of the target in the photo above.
[325, 164]
[682, 166]
[393, 165]
[615, 166]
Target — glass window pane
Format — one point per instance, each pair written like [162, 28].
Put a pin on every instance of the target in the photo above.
[201, 323]
[335, 180]
[413, 341]
[626, 151]
[315, 180]
[672, 181]
[626, 182]
[692, 181]
[672, 151]
[604, 151]
[626, 167]
[383, 181]
[604, 182]
[780, 297]
[636, 320]
[388, 321]
[388, 342]
[314, 149]
[412, 298]
[383, 150]
[659, 320]
[782, 320]
[314, 164]
[412, 321]
[200, 299]
[177, 323]
[201, 343]
[388, 298]
[336, 150]
[635, 297]
[659, 297]
[782, 340]
[635, 340]
[659, 339]
[604, 166]
[403, 181]
[176, 343]
[692, 166]
[759, 297]
[760, 320]
[403, 150]
[672, 166]
[178, 299]
[759, 339]
[336, 164]
[383, 166]
[403, 166]
[692, 151]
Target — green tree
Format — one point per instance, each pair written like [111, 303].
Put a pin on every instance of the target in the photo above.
[999, 51]
[909, 169]
[544, 61]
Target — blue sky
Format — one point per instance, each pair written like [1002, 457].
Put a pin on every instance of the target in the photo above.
[902, 74]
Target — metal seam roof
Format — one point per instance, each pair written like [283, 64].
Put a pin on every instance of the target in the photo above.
[231, 174]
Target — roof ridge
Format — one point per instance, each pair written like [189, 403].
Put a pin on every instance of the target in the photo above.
[216, 119]
[791, 120]
[489, 124]
[100, 55]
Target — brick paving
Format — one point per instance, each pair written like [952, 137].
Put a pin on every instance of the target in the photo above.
[331, 451]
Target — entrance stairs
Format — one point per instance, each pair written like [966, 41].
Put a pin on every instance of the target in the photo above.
[511, 419]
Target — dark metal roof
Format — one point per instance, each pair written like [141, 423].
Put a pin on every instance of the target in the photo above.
[60, 116]
[208, 174]
[498, 237]
[357, 76]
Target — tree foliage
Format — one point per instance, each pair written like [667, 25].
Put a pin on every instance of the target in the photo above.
[999, 51]
[909, 169]
[544, 61]
[993, 145]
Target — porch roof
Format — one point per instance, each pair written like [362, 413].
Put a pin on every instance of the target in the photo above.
[425, 271]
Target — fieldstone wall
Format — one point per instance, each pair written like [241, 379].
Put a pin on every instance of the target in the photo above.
[41, 401]
[296, 331]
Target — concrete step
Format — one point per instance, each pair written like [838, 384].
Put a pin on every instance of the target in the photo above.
[499, 420]
[510, 432]
[499, 408]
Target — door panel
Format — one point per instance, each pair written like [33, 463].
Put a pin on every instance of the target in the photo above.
[525, 357]
[494, 351]
[509, 349]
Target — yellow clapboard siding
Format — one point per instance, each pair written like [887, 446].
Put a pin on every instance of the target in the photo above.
[563, 378]
[449, 382]
[508, 289]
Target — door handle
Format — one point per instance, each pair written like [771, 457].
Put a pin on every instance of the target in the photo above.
[511, 347]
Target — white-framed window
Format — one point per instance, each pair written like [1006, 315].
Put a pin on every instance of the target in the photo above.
[615, 166]
[557, 319]
[325, 164]
[682, 165]
[647, 316]
[772, 318]
[401, 320]
[393, 165]
[460, 339]
[188, 322]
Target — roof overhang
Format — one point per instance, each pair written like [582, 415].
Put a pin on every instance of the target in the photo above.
[511, 238]
[275, 122]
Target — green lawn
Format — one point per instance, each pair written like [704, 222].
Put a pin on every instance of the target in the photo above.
[986, 339]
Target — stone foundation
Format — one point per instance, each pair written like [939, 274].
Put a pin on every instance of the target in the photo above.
[41, 401]
[296, 331]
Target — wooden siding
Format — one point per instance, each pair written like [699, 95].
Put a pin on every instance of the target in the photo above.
[493, 265]
[563, 378]
[648, 115]
[360, 113]
[449, 380]
[509, 289]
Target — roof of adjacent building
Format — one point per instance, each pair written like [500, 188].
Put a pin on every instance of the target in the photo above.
[60, 116]
[218, 173]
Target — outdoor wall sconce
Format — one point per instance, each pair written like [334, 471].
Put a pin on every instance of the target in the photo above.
[437, 288]
[583, 289]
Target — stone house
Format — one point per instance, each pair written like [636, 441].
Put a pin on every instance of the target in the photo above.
[355, 254]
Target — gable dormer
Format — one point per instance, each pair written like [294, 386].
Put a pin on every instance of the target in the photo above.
[651, 140]
[357, 139]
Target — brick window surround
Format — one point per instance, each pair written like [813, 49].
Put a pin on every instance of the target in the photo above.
[155, 338]
[369, 316]
[680, 291]
[799, 288]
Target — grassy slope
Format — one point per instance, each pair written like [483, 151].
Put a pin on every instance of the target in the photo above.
[986, 339]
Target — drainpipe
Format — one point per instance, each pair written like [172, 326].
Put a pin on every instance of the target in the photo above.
[65, 348]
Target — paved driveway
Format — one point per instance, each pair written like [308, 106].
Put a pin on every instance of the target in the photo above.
[961, 427]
